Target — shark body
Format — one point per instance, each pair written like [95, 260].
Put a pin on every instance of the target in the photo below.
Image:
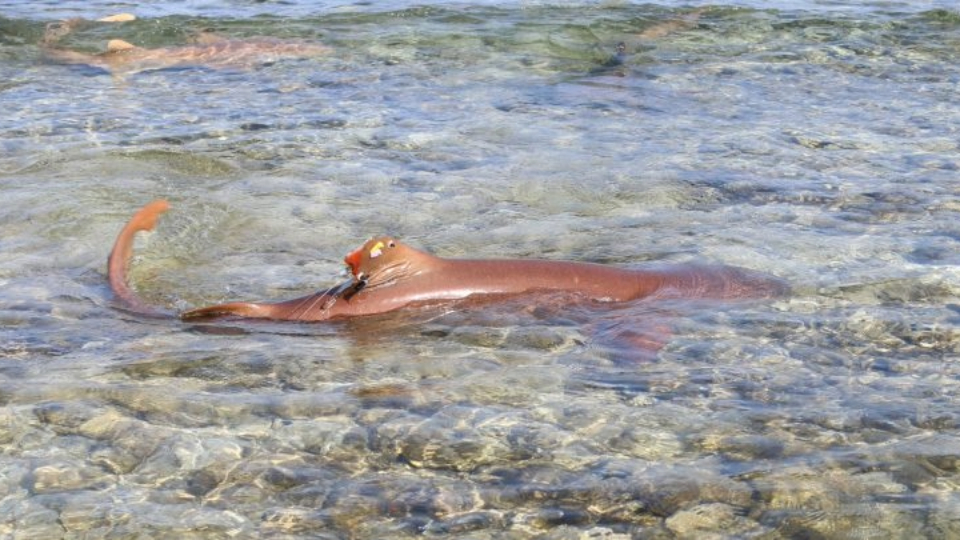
[122, 58]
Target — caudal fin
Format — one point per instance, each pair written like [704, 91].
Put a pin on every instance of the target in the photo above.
[119, 261]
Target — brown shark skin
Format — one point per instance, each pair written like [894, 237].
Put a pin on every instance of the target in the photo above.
[122, 59]
[119, 261]
[389, 275]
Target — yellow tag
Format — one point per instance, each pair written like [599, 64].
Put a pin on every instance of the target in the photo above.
[376, 250]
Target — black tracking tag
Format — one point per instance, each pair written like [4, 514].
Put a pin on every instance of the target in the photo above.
[354, 289]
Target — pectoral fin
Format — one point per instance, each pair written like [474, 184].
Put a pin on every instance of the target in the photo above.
[119, 17]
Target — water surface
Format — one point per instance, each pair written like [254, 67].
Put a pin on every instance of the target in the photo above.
[813, 141]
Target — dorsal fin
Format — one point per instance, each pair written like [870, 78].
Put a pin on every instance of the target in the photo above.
[115, 45]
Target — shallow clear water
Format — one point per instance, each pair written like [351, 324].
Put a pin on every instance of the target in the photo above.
[814, 141]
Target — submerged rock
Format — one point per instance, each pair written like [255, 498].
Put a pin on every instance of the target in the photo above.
[715, 521]
[60, 476]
